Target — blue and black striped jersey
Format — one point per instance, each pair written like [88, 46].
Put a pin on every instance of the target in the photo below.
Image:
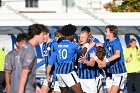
[95, 40]
[66, 54]
[48, 49]
[84, 71]
[117, 66]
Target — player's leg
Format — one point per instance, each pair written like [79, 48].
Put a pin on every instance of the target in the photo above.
[108, 84]
[77, 88]
[45, 88]
[56, 88]
[119, 81]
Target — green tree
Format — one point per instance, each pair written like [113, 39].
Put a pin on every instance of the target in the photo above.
[126, 6]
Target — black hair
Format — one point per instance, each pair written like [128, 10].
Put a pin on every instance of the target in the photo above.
[21, 36]
[36, 29]
[68, 30]
[85, 28]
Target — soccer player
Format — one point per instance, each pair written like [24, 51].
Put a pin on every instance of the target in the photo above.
[36, 35]
[85, 69]
[99, 72]
[67, 50]
[87, 29]
[48, 49]
[13, 65]
[114, 61]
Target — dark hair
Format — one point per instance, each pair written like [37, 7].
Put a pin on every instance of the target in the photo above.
[57, 33]
[113, 29]
[132, 40]
[100, 52]
[85, 28]
[68, 30]
[36, 29]
[21, 36]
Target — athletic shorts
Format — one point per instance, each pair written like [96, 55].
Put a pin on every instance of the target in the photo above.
[88, 85]
[56, 87]
[69, 79]
[46, 83]
[99, 82]
[117, 80]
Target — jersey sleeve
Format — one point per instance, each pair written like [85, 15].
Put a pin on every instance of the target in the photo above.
[28, 58]
[96, 40]
[8, 62]
[52, 59]
[117, 46]
[78, 48]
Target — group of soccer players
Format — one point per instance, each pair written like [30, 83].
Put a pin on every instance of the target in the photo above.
[80, 65]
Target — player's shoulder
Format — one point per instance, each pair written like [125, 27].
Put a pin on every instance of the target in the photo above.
[27, 47]
[74, 44]
[11, 52]
[116, 41]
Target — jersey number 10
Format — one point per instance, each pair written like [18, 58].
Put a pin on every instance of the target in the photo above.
[62, 53]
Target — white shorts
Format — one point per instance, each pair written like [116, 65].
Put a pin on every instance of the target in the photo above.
[69, 79]
[46, 83]
[88, 85]
[56, 87]
[117, 79]
[99, 82]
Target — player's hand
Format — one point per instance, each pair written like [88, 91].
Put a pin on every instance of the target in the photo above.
[48, 78]
[82, 59]
[100, 64]
[8, 89]
[104, 63]
[92, 55]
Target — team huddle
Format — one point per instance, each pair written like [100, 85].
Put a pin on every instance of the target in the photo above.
[80, 65]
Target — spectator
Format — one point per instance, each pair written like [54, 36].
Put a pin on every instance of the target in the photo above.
[132, 58]
[2, 73]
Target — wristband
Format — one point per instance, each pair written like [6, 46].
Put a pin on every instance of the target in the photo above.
[95, 58]
[107, 60]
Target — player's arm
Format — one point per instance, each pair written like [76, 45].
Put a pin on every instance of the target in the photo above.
[117, 48]
[115, 56]
[88, 63]
[7, 79]
[49, 67]
[99, 62]
[7, 69]
[23, 80]
[51, 62]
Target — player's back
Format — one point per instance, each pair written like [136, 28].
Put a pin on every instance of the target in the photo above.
[66, 56]
[66, 51]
